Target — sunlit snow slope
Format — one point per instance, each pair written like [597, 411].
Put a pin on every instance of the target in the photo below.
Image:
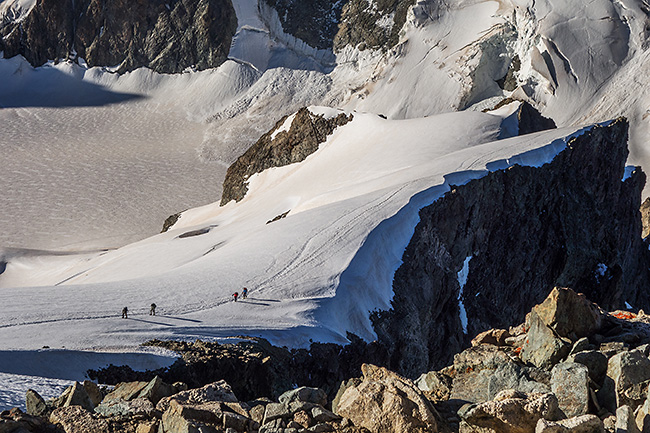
[97, 160]
[317, 272]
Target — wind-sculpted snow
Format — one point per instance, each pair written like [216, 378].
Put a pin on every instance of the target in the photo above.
[97, 160]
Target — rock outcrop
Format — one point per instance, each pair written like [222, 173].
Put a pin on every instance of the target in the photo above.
[520, 232]
[315, 22]
[335, 24]
[291, 140]
[167, 37]
[512, 412]
[363, 24]
[253, 368]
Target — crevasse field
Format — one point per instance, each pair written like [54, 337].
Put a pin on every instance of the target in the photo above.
[92, 163]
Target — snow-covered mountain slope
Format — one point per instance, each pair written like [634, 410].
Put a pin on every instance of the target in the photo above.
[575, 66]
[95, 160]
[352, 209]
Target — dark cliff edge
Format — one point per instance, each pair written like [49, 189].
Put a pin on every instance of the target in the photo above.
[303, 137]
[315, 22]
[165, 36]
[572, 222]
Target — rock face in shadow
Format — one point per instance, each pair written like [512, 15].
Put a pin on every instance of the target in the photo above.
[167, 37]
[335, 24]
[520, 232]
[530, 120]
[282, 145]
[314, 22]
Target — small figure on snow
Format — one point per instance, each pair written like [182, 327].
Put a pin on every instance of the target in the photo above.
[152, 310]
[235, 295]
[125, 312]
[244, 293]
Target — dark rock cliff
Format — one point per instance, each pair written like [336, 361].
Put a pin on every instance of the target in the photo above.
[572, 222]
[315, 22]
[334, 24]
[303, 137]
[166, 36]
[360, 23]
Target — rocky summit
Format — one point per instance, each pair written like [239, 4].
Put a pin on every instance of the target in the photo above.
[291, 140]
[570, 367]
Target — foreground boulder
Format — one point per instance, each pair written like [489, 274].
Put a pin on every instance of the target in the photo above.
[570, 384]
[511, 412]
[385, 402]
[570, 314]
[628, 376]
[481, 372]
[75, 419]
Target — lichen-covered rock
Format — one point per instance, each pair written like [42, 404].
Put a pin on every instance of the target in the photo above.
[214, 392]
[482, 382]
[386, 402]
[355, 381]
[75, 419]
[595, 361]
[282, 145]
[570, 384]
[625, 421]
[304, 394]
[35, 404]
[320, 415]
[183, 418]
[626, 371]
[93, 391]
[125, 391]
[79, 397]
[276, 411]
[438, 385]
[512, 412]
[15, 421]
[543, 348]
[155, 390]
[119, 407]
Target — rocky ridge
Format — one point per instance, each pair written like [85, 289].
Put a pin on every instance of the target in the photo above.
[372, 24]
[515, 234]
[570, 367]
[167, 37]
[291, 140]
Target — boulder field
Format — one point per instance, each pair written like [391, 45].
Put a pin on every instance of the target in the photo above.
[570, 367]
